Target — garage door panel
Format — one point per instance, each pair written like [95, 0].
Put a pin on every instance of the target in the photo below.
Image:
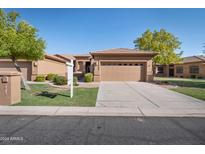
[25, 68]
[122, 73]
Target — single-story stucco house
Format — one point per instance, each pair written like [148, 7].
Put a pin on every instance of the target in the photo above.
[119, 64]
[30, 69]
[189, 67]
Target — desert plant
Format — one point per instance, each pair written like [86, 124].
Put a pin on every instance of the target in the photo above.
[88, 77]
[50, 76]
[40, 78]
[75, 81]
[59, 80]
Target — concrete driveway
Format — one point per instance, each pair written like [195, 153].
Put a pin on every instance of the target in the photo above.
[142, 95]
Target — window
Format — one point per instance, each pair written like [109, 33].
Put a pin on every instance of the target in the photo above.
[194, 69]
[179, 70]
[160, 69]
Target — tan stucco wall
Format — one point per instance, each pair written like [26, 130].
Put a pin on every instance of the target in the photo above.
[186, 73]
[47, 66]
[149, 71]
[80, 63]
[10, 91]
[26, 67]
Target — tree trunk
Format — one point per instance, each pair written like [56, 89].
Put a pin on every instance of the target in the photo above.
[23, 81]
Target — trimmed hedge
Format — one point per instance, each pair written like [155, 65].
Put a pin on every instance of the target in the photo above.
[88, 77]
[59, 80]
[40, 78]
[75, 81]
[50, 76]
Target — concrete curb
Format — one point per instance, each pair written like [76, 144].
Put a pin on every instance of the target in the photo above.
[99, 111]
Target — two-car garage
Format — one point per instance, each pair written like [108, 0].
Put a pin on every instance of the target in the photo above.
[122, 71]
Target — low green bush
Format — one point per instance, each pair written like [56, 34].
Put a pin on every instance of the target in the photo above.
[40, 78]
[50, 76]
[88, 77]
[59, 80]
[75, 81]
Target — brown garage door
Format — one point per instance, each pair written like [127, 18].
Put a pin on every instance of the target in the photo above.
[25, 68]
[122, 73]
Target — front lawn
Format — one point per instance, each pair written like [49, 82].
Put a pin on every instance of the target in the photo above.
[191, 87]
[45, 95]
[194, 92]
[183, 82]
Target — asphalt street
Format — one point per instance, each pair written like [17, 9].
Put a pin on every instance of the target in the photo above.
[101, 130]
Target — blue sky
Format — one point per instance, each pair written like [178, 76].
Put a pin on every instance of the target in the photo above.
[75, 31]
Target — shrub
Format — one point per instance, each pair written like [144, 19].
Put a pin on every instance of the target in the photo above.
[50, 76]
[88, 77]
[75, 81]
[60, 80]
[40, 78]
[193, 76]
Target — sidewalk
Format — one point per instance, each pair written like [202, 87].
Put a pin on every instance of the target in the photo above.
[99, 111]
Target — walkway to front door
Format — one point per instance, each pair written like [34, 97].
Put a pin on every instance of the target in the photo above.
[143, 95]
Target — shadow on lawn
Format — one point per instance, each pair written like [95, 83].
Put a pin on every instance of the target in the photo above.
[50, 94]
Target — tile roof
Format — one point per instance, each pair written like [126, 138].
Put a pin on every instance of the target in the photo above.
[123, 51]
[53, 57]
[65, 56]
[192, 59]
[82, 55]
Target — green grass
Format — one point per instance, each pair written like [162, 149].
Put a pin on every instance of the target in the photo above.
[194, 92]
[45, 95]
[197, 83]
[191, 87]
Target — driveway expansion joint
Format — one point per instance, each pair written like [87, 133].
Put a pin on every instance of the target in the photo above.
[141, 111]
[141, 94]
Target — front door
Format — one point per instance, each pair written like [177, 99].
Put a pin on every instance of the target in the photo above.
[171, 72]
[87, 67]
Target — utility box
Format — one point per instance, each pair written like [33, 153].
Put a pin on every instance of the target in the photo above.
[10, 88]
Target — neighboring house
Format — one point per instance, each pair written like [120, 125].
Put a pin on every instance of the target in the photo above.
[30, 69]
[189, 67]
[164, 70]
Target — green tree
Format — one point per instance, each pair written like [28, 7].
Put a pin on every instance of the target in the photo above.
[19, 40]
[162, 42]
[203, 51]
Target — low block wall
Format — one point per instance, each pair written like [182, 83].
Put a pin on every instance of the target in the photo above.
[10, 88]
